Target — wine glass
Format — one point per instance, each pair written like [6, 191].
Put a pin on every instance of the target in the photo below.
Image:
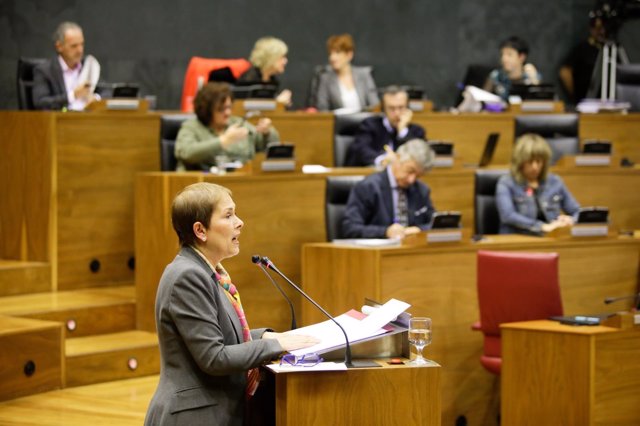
[419, 336]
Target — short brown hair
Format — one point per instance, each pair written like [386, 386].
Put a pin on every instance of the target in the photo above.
[340, 43]
[530, 146]
[210, 97]
[195, 203]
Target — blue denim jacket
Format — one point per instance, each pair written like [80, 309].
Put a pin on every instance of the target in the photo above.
[517, 209]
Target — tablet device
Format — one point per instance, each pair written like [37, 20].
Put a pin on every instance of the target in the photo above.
[543, 91]
[125, 90]
[445, 220]
[594, 146]
[280, 151]
[443, 148]
[255, 91]
[593, 215]
[577, 320]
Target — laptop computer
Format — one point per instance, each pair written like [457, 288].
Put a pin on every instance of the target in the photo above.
[489, 149]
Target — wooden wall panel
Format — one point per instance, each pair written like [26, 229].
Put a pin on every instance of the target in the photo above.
[25, 173]
[97, 157]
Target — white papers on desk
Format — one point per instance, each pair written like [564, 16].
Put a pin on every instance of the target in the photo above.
[369, 242]
[323, 366]
[314, 168]
[356, 327]
[482, 95]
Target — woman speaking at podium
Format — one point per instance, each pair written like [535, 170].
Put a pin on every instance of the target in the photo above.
[531, 200]
[209, 355]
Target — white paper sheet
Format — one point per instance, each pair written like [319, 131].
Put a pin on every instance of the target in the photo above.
[323, 366]
[330, 335]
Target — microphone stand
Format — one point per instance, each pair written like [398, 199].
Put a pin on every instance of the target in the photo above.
[256, 259]
[347, 351]
[609, 300]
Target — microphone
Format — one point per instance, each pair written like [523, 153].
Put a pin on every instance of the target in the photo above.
[615, 299]
[347, 351]
[256, 259]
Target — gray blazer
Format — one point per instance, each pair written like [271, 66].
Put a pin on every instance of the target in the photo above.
[204, 362]
[328, 94]
[49, 91]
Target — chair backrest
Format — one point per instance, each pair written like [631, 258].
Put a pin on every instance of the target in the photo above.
[486, 218]
[514, 286]
[336, 197]
[628, 85]
[25, 81]
[344, 129]
[312, 94]
[198, 73]
[560, 131]
[169, 127]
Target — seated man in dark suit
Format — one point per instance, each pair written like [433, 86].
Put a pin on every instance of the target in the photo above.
[378, 136]
[392, 203]
[67, 80]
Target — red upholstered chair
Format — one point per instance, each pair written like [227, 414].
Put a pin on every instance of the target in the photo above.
[199, 69]
[513, 287]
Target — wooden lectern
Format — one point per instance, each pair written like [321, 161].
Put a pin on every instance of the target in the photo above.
[390, 395]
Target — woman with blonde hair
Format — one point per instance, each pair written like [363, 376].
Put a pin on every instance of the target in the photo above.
[531, 200]
[268, 60]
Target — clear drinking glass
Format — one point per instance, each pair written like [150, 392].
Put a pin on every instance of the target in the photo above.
[420, 336]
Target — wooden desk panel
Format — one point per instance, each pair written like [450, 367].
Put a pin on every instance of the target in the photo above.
[621, 129]
[559, 374]
[469, 133]
[389, 395]
[613, 187]
[97, 158]
[69, 197]
[25, 199]
[440, 282]
[312, 134]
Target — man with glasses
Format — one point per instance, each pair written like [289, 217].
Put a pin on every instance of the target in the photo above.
[392, 203]
[377, 137]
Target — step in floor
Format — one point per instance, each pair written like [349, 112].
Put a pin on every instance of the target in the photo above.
[18, 277]
[83, 312]
[114, 356]
[31, 356]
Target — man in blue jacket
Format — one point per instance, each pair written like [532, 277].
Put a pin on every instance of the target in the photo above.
[378, 136]
[394, 202]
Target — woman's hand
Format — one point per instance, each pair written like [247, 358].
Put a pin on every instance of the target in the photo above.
[560, 222]
[532, 73]
[565, 220]
[264, 126]
[292, 341]
[233, 134]
[284, 97]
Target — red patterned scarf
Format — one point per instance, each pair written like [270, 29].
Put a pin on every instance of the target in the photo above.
[230, 290]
